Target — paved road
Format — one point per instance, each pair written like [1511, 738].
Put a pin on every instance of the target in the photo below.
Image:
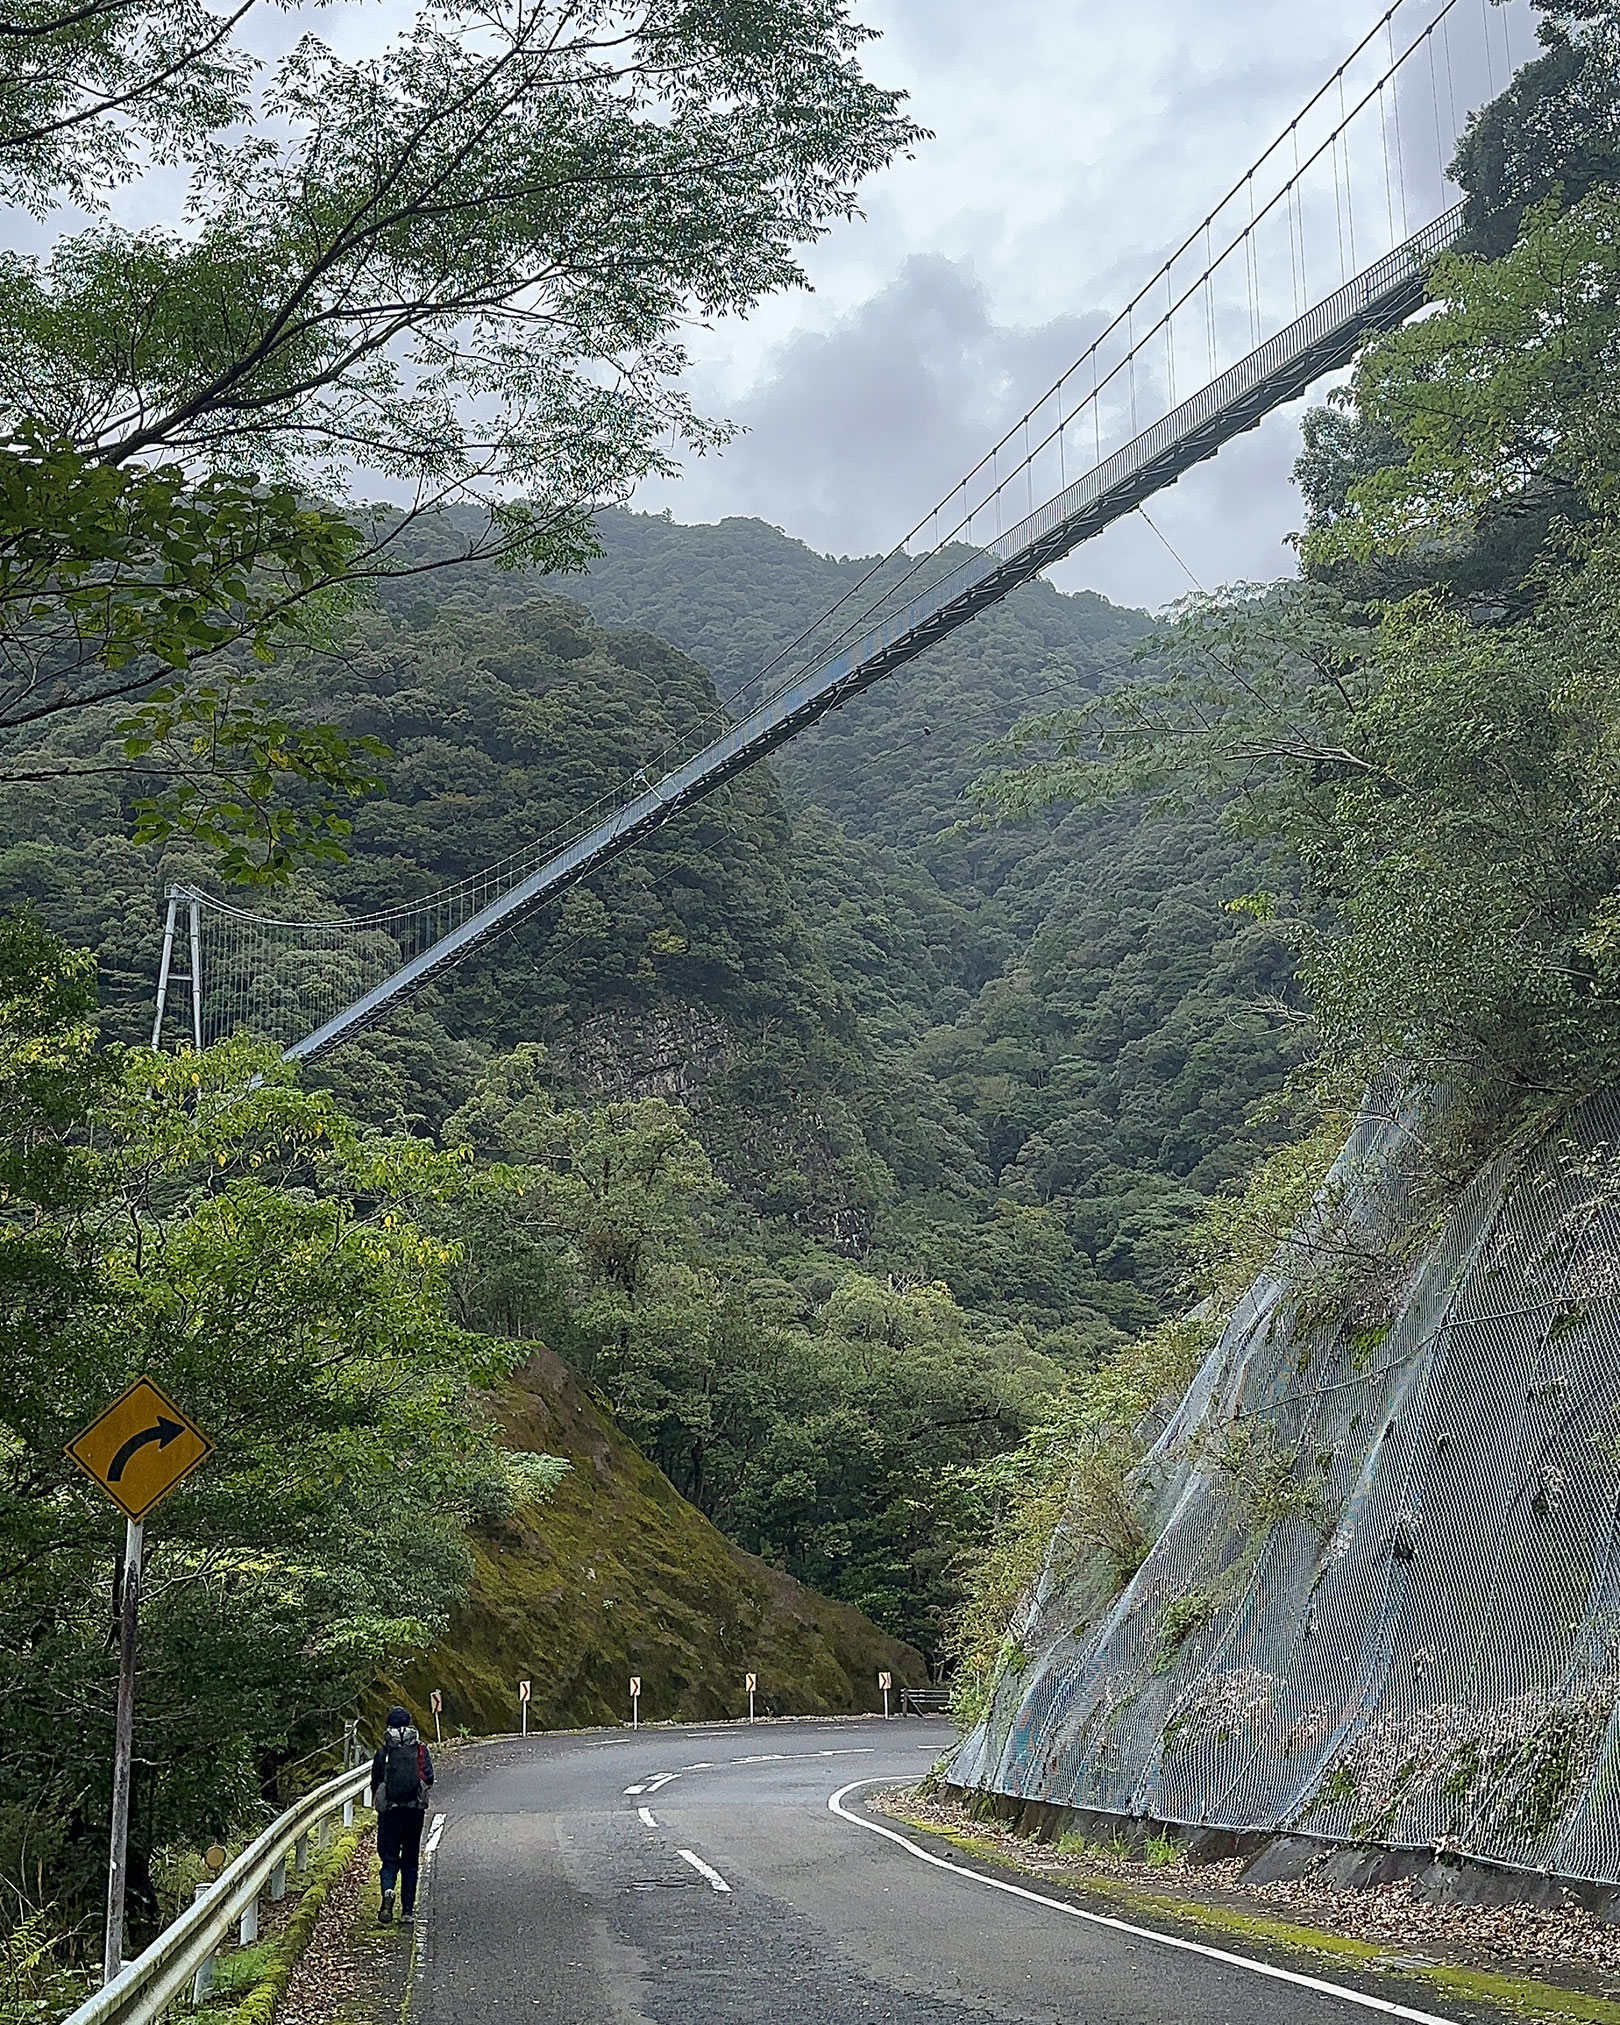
[698, 1877]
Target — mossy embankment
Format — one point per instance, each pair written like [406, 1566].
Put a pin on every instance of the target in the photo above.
[616, 1574]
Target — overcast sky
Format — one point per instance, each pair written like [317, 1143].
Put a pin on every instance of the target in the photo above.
[1075, 145]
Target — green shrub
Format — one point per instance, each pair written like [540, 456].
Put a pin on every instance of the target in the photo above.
[1182, 1617]
[38, 1980]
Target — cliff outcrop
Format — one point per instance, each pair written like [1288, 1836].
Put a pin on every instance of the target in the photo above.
[1382, 1603]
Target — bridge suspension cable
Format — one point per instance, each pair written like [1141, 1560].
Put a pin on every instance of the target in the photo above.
[314, 982]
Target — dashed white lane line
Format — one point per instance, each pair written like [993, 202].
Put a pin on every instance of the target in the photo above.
[716, 1881]
[434, 1833]
[652, 1784]
[1318, 1984]
[646, 1814]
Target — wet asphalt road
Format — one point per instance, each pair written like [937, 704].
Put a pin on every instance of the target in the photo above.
[556, 1896]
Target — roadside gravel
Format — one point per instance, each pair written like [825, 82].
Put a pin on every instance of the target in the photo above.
[1390, 1916]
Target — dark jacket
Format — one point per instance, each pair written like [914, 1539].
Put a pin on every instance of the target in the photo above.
[405, 1734]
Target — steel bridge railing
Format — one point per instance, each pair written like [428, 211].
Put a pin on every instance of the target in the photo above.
[1280, 370]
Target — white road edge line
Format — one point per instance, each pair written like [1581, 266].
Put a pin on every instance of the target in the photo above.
[646, 1814]
[659, 1779]
[416, 1974]
[1383, 2005]
[716, 1881]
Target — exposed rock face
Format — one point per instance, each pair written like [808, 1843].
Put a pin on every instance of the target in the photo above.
[1384, 1599]
[671, 1051]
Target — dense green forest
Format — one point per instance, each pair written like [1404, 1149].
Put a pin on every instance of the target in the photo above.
[860, 1140]
[900, 1113]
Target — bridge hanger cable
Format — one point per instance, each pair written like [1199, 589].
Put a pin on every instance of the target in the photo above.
[1126, 316]
[1288, 197]
[338, 951]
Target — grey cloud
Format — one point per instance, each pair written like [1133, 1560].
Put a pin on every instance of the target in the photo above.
[1075, 149]
[853, 433]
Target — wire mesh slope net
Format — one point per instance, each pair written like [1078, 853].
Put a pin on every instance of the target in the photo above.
[1383, 1599]
[1328, 235]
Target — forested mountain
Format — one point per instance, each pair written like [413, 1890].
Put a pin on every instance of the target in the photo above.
[867, 1031]
[1071, 1000]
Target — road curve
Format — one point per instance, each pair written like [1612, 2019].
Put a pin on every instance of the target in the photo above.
[698, 1876]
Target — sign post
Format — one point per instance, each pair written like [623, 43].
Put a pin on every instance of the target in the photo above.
[635, 1701]
[123, 1749]
[523, 1703]
[885, 1682]
[753, 1682]
[136, 1452]
[437, 1701]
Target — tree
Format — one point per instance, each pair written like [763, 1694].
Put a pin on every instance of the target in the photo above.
[815, 1424]
[114, 584]
[1500, 401]
[1555, 130]
[458, 269]
[86, 87]
[1440, 797]
[201, 1218]
[1436, 764]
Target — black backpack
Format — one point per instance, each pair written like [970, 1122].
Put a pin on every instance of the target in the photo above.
[402, 1775]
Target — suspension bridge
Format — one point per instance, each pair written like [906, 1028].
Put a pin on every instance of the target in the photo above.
[1328, 238]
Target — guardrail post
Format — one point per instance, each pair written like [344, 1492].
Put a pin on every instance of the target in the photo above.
[183, 1961]
[348, 1813]
[203, 1982]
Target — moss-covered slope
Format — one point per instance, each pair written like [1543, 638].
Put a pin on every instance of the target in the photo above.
[617, 1574]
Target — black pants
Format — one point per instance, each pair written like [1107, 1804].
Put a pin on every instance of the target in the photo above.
[399, 1844]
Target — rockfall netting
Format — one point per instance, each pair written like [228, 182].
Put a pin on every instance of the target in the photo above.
[1383, 1603]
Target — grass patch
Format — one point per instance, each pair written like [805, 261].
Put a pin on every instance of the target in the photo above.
[1524, 1995]
[269, 1964]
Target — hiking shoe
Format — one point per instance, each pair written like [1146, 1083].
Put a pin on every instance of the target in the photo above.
[407, 1919]
[386, 1913]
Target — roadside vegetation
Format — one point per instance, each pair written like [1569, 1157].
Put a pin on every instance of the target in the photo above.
[883, 1161]
[1416, 738]
[462, 266]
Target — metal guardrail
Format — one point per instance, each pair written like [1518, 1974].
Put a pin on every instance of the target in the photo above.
[934, 1701]
[144, 1989]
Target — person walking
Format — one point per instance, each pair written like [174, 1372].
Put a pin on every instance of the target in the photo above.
[401, 1774]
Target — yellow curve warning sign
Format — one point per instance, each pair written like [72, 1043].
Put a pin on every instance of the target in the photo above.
[140, 1448]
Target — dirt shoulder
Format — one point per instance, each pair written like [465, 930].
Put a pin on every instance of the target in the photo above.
[353, 1972]
[1561, 1964]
